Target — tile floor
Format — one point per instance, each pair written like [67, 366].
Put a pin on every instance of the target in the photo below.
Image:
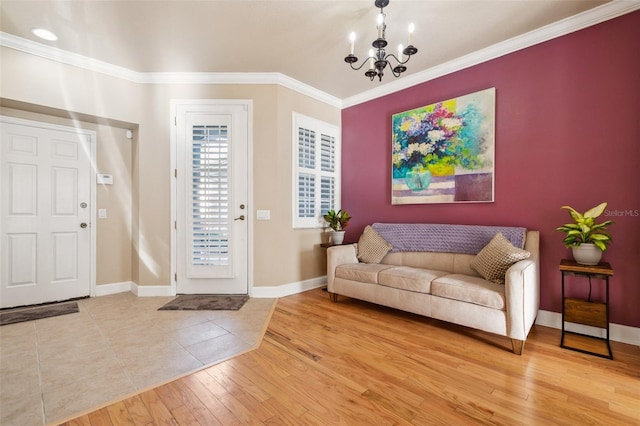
[53, 368]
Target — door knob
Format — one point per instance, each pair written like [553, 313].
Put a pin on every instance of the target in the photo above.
[239, 218]
[83, 225]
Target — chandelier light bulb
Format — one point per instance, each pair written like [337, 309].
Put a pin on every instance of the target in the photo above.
[412, 28]
[352, 39]
[380, 24]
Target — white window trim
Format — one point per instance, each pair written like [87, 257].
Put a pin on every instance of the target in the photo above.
[320, 127]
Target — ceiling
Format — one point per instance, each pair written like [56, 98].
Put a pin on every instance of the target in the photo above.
[306, 40]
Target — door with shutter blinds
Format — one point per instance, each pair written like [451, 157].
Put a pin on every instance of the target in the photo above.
[212, 194]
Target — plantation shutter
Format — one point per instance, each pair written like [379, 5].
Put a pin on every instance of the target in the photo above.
[316, 169]
[306, 177]
[328, 199]
[209, 222]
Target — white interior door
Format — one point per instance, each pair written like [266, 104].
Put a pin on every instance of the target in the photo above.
[212, 192]
[46, 213]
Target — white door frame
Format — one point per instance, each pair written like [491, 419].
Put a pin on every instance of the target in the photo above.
[175, 103]
[92, 182]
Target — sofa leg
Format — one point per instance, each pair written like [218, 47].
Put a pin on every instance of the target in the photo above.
[333, 297]
[517, 345]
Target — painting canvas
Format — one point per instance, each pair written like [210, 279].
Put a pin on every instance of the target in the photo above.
[444, 152]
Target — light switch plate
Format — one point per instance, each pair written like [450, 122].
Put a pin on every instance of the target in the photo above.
[263, 214]
[102, 179]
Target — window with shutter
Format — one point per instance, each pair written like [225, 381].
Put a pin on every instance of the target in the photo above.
[316, 171]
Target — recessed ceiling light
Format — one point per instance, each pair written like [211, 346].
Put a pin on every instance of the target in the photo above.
[44, 34]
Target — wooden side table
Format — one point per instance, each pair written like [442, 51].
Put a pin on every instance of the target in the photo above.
[586, 312]
[326, 246]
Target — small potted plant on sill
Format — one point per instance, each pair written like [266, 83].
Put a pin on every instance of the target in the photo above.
[586, 238]
[337, 222]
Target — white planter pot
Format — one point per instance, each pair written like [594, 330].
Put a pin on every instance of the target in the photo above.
[587, 254]
[337, 237]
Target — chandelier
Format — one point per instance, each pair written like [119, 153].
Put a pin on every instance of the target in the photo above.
[378, 59]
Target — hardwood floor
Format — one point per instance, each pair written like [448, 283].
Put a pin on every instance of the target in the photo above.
[354, 363]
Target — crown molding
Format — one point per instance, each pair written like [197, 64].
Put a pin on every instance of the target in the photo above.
[238, 78]
[583, 20]
[63, 56]
[563, 27]
[69, 58]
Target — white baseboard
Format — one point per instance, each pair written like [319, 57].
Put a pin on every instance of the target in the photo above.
[288, 289]
[617, 332]
[113, 288]
[258, 292]
[151, 290]
[138, 290]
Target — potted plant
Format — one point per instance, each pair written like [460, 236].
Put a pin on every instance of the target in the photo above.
[337, 221]
[586, 238]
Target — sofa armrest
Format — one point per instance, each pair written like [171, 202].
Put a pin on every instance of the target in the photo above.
[522, 291]
[339, 255]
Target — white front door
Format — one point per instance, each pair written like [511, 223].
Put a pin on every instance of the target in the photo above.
[212, 195]
[46, 213]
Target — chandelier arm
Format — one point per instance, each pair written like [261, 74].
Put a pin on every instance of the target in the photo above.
[391, 55]
[361, 65]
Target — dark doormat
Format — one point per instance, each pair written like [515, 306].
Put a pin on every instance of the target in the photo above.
[40, 312]
[205, 302]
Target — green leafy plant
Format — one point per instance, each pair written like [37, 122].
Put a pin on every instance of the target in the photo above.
[337, 220]
[585, 229]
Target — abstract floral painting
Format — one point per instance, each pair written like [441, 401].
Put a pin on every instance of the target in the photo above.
[444, 152]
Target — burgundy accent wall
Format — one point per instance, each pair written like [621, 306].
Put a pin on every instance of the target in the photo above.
[567, 133]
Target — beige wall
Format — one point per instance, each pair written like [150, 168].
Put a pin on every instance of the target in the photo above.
[308, 258]
[113, 239]
[281, 254]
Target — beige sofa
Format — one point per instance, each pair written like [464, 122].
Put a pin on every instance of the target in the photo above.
[443, 286]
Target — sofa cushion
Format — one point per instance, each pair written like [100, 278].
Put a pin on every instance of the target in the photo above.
[474, 290]
[408, 278]
[462, 265]
[428, 260]
[496, 257]
[362, 272]
[371, 246]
